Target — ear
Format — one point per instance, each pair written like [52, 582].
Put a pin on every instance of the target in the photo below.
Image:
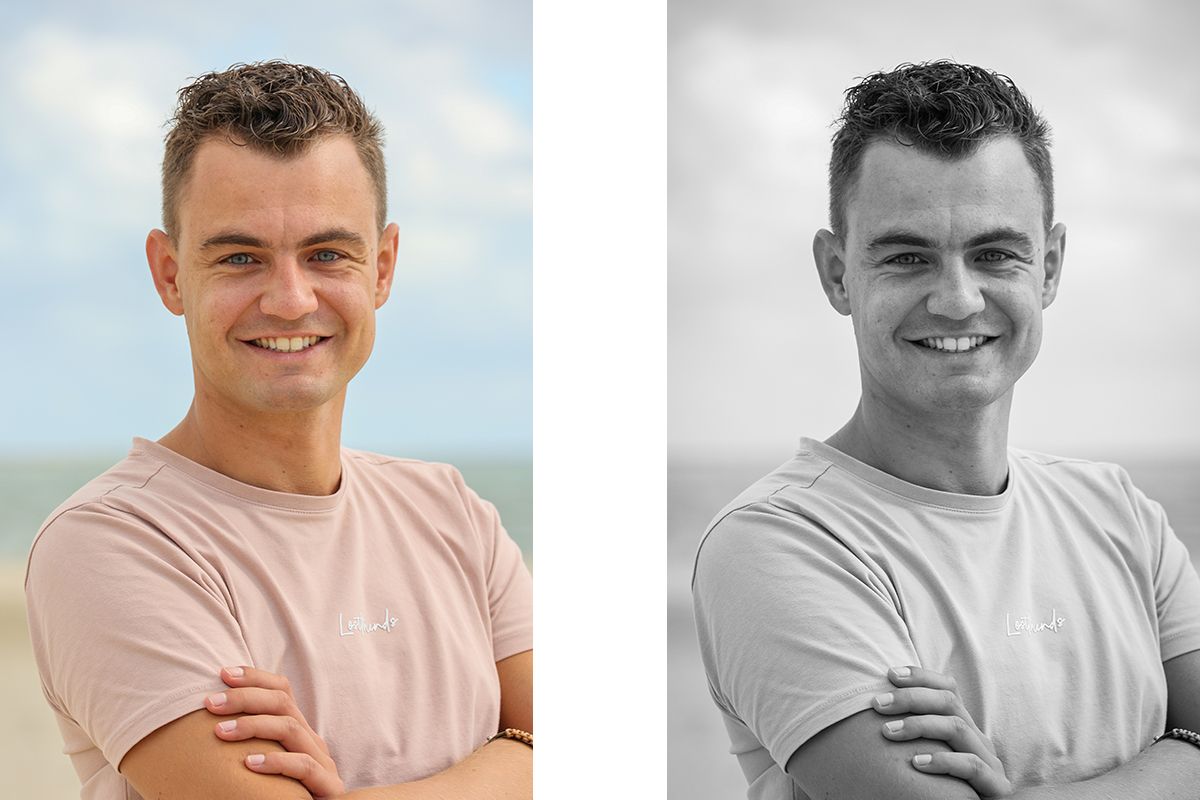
[1056, 251]
[829, 254]
[385, 263]
[160, 255]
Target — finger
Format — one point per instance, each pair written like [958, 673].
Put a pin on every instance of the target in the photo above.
[919, 700]
[295, 737]
[252, 700]
[919, 676]
[986, 781]
[960, 735]
[249, 676]
[301, 766]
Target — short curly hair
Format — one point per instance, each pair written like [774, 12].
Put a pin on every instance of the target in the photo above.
[272, 106]
[942, 108]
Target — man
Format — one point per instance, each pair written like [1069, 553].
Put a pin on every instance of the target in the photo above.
[910, 609]
[244, 608]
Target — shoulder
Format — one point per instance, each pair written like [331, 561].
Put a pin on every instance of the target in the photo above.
[405, 470]
[105, 498]
[434, 491]
[408, 475]
[771, 514]
[800, 475]
[1098, 492]
[1106, 483]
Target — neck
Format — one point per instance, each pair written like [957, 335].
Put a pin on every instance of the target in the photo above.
[965, 452]
[295, 451]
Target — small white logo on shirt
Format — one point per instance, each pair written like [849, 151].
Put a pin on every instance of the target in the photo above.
[360, 625]
[1016, 626]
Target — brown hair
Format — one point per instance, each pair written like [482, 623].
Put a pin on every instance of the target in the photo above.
[941, 108]
[274, 107]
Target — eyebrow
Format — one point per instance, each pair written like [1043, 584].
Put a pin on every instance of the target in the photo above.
[232, 237]
[246, 240]
[911, 239]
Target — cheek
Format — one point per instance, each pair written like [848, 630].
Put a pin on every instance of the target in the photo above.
[212, 309]
[877, 314]
[353, 302]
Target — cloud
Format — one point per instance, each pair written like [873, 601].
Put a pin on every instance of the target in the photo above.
[90, 128]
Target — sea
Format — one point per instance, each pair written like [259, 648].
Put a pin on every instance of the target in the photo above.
[30, 489]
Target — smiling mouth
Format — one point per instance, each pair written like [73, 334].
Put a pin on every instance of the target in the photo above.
[285, 344]
[953, 344]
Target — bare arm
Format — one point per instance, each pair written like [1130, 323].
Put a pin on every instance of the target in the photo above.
[183, 760]
[846, 760]
[849, 760]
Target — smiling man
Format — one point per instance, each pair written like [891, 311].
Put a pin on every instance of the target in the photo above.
[245, 608]
[910, 608]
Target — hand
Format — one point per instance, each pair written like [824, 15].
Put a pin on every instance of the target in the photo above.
[273, 714]
[936, 712]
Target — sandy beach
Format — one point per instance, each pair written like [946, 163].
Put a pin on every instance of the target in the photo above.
[35, 765]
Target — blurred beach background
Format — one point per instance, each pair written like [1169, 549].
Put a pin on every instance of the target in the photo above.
[757, 358]
[88, 89]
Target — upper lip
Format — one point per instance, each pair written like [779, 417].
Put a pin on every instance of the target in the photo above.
[284, 336]
[924, 336]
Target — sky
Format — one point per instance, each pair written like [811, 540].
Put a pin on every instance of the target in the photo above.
[92, 356]
[757, 358]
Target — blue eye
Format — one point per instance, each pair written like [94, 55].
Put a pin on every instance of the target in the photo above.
[906, 260]
[326, 256]
[994, 256]
[240, 259]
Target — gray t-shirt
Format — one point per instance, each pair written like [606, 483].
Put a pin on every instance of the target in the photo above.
[1067, 587]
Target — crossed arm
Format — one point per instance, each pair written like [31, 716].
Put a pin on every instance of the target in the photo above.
[184, 760]
[853, 760]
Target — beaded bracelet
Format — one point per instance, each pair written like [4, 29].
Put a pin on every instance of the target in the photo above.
[516, 734]
[1182, 734]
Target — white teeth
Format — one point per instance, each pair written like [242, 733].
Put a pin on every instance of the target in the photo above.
[953, 344]
[286, 344]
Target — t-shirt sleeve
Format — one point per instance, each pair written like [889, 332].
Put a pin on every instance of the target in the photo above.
[509, 583]
[1176, 585]
[796, 632]
[128, 630]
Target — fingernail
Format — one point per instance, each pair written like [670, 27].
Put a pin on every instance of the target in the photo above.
[255, 760]
[234, 672]
[217, 700]
[884, 700]
[894, 727]
[229, 725]
[901, 672]
[922, 760]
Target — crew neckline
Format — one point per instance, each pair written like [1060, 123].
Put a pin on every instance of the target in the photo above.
[911, 491]
[253, 494]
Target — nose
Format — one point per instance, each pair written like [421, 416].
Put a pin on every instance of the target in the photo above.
[289, 292]
[957, 294]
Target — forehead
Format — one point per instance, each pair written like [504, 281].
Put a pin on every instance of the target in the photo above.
[237, 187]
[904, 188]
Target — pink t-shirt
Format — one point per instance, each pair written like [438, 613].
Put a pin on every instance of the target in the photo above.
[385, 604]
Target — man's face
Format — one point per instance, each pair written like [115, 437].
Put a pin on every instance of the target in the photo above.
[279, 268]
[945, 270]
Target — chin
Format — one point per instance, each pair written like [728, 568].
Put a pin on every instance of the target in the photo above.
[294, 400]
[972, 398]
